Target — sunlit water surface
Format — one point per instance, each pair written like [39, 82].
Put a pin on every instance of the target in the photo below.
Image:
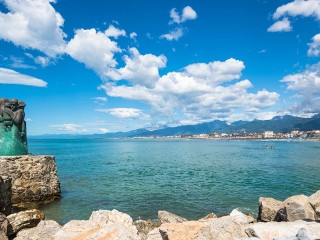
[190, 178]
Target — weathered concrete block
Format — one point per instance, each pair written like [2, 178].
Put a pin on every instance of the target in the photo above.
[34, 178]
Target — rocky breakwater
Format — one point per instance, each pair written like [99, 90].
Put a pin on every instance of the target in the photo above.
[298, 216]
[34, 179]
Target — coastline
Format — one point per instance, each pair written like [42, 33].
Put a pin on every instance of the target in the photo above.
[296, 218]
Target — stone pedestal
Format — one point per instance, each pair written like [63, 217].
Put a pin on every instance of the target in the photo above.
[34, 179]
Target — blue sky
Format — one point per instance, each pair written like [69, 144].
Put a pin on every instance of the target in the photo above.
[103, 66]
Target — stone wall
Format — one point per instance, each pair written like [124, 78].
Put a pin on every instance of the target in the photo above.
[5, 195]
[34, 179]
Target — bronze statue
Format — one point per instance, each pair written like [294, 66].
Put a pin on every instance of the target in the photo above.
[13, 133]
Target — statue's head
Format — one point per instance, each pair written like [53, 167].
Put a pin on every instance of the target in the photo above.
[21, 104]
[3, 101]
[7, 105]
[14, 104]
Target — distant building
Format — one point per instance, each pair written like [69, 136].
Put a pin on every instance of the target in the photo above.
[295, 133]
[268, 134]
[215, 135]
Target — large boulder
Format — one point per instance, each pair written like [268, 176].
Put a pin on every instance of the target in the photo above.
[298, 207]
[302, 234]
[5, 195]
[224, 228]
[208, 216]
[34, 179]
[241, 217]
[168, 217]
[103, 224]
[44, 230]
[271, 210]
[145, 226]
[314, 200]
[283, 230]
[24, 219]
[102, 217]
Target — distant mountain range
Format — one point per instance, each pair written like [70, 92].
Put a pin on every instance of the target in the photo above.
[278, 124]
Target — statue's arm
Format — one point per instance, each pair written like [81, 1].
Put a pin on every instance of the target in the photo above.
[19, 117]
[9, 112]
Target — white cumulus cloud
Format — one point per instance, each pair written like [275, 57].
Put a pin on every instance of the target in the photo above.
[85, 128]
[133, 35]
[139, 69]
[8, 76]
[306, 86]
[93, 48]
[199, 91]
[127, 113]
[187, 14]
[33, 24]
[216, 72]
[112, 31]
[306, 8]
[314, 46]
[283, 25]
[175, 34]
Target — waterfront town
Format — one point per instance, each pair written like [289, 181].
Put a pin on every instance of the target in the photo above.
[294, 134]
[267, 135]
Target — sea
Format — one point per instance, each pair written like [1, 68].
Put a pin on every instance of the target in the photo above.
[188, 177]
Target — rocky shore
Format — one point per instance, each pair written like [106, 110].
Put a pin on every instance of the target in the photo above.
[27, 180]
[296, 218]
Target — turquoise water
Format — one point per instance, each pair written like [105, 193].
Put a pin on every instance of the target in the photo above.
[188, 177]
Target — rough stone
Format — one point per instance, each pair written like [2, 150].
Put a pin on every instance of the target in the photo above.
[301, 235]
[24, 219]
[241, 217]
[34, 179]
[103, 224]
[102, 217]
[210, 215]
[249, 238]
[5, 195]
[224, 228]
[154, 235]
[298, 207]
[168, 217]
[314, 200]
[44, 230]
[3, 236]
[271, 210]
[145, 226]
[283, 230]
[3, 224]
